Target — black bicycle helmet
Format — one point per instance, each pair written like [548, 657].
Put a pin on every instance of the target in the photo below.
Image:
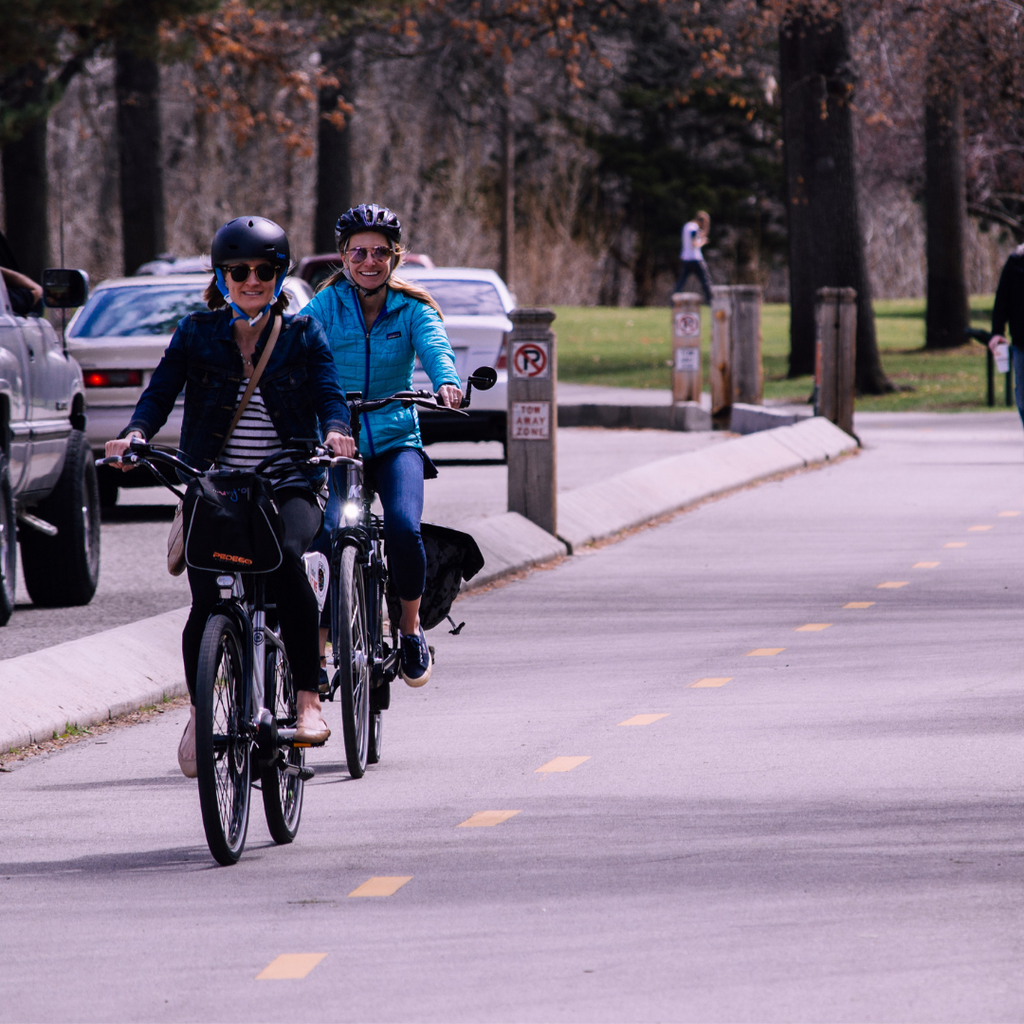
[368, 217]
[250, 238]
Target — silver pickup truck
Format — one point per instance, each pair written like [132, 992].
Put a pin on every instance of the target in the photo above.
[49, 501]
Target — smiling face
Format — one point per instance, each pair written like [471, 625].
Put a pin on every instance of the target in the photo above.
[252, 294]
[371, 272]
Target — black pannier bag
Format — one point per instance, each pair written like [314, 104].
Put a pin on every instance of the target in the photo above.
[232, 523]
[451, 558]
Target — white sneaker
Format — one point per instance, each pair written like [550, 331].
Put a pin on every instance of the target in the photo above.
[187, 747]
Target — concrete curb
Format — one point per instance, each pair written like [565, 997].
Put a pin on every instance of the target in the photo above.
[601, 510]
[679, 416]
[90, 680]
[111, 673]
[510, 543]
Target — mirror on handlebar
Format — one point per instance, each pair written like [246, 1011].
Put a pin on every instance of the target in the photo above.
[483, 378]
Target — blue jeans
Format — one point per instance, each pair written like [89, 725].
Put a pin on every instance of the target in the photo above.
[700, 269]
[397, 476]
[1017, 354]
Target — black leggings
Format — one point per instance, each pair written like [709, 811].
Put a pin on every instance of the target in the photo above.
[288, 586]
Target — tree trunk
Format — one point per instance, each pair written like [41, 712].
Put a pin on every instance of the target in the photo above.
[25, 190]
[25, 200]
[334, 145]
[826, 247]
[137, 84]
[508, 190]
[948, 310]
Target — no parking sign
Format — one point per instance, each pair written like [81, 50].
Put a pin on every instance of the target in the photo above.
[530, 360]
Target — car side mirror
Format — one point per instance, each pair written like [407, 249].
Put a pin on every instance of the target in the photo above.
[65, 289]
[483, 378]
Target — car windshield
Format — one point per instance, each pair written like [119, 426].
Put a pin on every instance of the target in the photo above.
[464, 298]
[154, 310]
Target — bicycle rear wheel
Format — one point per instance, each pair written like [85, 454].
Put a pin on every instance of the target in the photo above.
[349, 636]
[282, 789]
[223, 746]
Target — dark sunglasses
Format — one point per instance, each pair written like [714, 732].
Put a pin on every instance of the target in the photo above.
[379, 252]
[240, 272]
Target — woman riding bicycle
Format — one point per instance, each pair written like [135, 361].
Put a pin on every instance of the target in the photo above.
[377, 325]
[212, 356]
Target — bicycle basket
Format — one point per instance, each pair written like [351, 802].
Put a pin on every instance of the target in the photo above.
[232, 524]
[451, 558]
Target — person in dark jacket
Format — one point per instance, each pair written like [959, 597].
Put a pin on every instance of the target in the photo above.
[1009, 309]
[212, 355]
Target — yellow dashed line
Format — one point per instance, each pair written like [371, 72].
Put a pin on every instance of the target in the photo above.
[643, 719]
[978, 529]
[956, 544]
[711, 681]
[563, 764]
[485, 819]
[381, 885]
[924, 565]
[1003, 515]
[290, 965]
[764, 652]
[858, 604]
[812, 627]
[892, 585]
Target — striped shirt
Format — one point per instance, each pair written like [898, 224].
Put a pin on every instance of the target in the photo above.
[254, 439]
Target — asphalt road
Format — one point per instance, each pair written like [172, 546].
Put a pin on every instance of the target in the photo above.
[833, 832]
[472, 483]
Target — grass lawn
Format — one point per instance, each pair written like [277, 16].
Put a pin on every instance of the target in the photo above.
[632, 348]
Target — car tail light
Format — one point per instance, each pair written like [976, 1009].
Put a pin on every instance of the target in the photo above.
[113, 378]
[502, 362]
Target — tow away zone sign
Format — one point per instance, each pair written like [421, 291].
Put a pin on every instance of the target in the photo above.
[531, 421]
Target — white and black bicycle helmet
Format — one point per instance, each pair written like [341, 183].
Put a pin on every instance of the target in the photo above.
[369, 217]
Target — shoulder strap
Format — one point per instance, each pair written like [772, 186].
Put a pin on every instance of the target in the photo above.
[253, 381]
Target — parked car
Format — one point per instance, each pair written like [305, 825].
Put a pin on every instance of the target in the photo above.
[475, 304]
[316, 269]
[49, 500]
[119, 336]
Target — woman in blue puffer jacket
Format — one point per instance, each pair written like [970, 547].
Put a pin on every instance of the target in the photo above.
[376, 326]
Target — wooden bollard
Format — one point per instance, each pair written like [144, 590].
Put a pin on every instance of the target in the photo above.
[835, 352]
[736, 371]
[686, 376]
[721, 348]
[532, 417]
[746, 369]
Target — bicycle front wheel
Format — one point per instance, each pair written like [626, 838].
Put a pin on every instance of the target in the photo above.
[281, 784]
[349, 636]
[223, 746]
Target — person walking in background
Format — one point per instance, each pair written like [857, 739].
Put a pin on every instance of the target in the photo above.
[691, 260]
[1009, 309]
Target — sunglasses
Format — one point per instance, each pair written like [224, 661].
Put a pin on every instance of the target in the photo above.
[379, 252]
[240, 272]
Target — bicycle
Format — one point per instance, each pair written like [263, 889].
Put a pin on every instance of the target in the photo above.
[365, 662]
[245, 694]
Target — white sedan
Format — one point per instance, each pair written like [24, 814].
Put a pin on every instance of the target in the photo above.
[118, 338]
[475, 304]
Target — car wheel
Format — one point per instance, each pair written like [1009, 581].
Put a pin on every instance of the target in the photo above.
[8, 545]
[64, 570]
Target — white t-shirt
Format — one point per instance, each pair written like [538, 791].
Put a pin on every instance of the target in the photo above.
[691, 247]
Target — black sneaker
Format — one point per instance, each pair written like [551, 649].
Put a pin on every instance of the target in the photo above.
[416, 661]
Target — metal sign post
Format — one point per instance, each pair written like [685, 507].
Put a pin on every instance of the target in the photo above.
[532, 417]
[686, 376]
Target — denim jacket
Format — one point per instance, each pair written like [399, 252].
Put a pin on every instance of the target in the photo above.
[299, 386]
[379, 361]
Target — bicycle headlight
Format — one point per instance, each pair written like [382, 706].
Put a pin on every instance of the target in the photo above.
[350, 513]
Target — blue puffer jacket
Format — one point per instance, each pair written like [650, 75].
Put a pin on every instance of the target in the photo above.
[380, 361]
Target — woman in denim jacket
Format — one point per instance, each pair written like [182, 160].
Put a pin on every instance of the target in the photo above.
[377, 325]
[212, 355]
